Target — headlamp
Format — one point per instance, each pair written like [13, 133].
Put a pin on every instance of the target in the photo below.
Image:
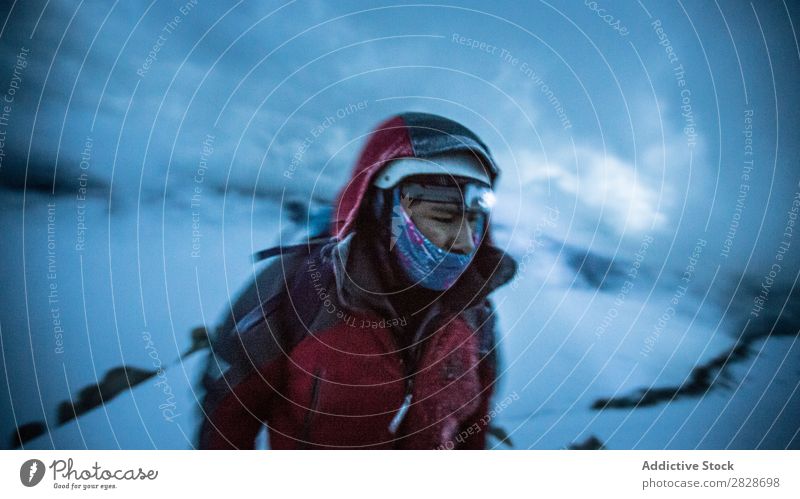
[473, 196]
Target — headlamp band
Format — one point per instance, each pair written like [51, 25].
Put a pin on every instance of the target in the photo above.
[472, 196]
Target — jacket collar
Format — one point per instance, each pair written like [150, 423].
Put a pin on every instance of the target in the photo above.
[360, 288]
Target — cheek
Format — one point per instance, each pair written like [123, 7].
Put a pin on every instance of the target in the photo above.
[433, 233]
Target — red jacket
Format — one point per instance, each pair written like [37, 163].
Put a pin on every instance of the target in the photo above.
[324, 363]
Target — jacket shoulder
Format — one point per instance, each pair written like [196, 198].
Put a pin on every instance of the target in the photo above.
[262, 323]
[481, 318]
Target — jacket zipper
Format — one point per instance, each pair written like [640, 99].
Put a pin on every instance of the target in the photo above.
[401, 412]
[410, 366]
[312, 410]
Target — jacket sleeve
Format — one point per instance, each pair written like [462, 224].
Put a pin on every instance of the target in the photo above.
[476, 428]
[235, 411]
[246, 367]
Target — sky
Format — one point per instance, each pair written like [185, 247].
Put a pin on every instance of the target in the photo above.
[149, 148]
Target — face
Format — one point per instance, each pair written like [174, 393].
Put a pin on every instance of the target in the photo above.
[446, 225]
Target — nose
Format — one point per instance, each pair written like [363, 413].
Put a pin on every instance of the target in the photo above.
[463, 242]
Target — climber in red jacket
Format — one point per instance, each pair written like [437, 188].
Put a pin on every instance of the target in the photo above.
[381, 336]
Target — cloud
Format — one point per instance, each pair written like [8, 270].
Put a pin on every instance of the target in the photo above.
[605, 187]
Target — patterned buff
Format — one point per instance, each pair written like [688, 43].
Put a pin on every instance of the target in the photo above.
[422, 261]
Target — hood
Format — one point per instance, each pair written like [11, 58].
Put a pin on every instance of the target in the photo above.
[357, 267]
[407, 135]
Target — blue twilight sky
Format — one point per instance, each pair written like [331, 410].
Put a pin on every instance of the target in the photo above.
[675, 121]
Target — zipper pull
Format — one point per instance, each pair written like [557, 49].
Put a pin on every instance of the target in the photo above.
[401, 413]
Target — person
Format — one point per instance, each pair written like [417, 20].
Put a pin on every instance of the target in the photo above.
[381, 336]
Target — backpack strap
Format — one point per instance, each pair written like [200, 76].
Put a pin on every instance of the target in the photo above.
[281, 250]
[311, 291]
